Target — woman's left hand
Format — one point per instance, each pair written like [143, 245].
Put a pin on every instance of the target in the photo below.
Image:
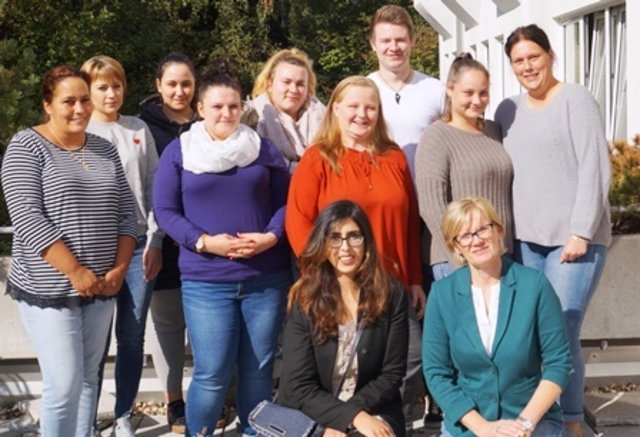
[151, 263]
[249, 244]
[574, 248]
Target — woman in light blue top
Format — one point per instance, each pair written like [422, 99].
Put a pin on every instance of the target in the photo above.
[495, 353]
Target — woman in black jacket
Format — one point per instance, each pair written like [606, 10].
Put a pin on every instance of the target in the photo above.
[345, 303]
[169, 114]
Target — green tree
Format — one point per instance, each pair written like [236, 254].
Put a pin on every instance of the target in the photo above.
[36, 35]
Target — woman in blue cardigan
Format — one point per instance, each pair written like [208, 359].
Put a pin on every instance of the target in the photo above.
[495, 352]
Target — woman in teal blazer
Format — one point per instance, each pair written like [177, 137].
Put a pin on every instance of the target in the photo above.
[495, 352]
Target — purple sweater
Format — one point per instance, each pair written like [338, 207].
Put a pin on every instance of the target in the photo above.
[243, 199]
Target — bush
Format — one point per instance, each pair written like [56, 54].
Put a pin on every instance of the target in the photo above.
[624, 194]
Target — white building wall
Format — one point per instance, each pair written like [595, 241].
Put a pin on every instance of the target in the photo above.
[633, 68]
[485, 24]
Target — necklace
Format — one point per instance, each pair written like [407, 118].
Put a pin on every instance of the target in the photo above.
[405, 81]
[71, 151]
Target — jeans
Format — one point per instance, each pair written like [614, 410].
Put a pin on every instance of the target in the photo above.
[69, 344]
[574, 283]
[442, 270]
[131, 318]
[232, 324]
[545, 428]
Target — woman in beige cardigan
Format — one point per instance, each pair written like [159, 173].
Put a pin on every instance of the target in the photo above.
[289, 114]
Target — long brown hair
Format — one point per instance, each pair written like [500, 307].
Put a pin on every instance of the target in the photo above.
[317, 292]
[329, 137]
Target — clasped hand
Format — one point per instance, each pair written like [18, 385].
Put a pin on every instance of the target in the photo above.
[243, 245]
[87, 284]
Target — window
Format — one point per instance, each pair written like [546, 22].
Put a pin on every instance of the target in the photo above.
[595, 48]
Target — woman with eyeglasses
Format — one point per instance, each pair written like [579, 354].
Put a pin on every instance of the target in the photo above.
[555, 137]
[461, 155]
[495, 352]
[354, 158]
[345, 340]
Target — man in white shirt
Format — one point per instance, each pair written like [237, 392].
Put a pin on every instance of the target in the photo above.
[411, 101]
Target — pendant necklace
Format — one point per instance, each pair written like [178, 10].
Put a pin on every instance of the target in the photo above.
[405, 81]
[71, 151]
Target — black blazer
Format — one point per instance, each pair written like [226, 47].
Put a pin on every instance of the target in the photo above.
[307, 366]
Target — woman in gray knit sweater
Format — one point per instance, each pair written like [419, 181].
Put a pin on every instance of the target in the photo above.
[461, 155]
[555, 137]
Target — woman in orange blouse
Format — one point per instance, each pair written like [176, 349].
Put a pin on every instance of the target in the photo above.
[354, 158]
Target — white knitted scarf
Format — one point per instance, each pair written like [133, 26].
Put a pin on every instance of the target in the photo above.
[203, 154]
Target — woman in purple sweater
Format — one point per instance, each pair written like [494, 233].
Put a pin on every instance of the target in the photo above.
[220, 192]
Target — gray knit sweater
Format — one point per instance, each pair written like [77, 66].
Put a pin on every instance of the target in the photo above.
[561, 167]
[451, 164]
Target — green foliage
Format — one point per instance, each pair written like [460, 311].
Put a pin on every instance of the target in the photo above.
[36, 35]
[624, 194]
[334, 34]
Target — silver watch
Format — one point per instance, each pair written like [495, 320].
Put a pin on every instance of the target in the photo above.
[200, 243]
[528, 425]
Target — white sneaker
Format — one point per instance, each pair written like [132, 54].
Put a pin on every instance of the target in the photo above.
[122, 427]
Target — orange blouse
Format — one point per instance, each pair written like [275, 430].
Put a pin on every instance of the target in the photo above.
[382, 186]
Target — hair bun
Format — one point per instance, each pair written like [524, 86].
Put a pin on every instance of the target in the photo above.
[223, 66]
[465, 56]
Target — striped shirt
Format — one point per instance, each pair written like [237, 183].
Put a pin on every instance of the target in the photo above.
[51, 197]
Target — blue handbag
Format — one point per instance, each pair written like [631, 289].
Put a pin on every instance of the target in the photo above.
[273, 420]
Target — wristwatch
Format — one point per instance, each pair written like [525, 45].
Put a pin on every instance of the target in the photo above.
[528, 425]
[200, 243]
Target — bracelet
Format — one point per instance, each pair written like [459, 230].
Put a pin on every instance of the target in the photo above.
[528, 425]
[577, 238]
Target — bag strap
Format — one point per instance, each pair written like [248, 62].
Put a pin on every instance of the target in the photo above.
[352, 354]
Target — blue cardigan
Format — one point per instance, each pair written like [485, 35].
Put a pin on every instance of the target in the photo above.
[530, 345]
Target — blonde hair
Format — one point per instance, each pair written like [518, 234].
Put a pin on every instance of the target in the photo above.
[393, 14]
[329, 136]
[289, 56]
[102, 67]
[458, 215]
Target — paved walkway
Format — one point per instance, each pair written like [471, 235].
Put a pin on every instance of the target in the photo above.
[617, 415]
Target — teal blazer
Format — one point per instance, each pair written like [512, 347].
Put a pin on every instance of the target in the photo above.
[530, 344]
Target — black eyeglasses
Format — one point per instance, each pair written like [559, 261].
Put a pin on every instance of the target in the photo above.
[353, 239]
[483, 233]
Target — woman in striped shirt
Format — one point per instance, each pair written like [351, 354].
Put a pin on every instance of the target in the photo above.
[74, 233]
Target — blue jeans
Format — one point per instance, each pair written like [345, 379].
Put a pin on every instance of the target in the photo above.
[131, 318]
[69, 343]
[232, 324]
[546, 428]
[574, 283]
[442, 270]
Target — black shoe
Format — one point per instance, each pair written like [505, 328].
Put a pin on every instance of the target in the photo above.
[175, 416]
